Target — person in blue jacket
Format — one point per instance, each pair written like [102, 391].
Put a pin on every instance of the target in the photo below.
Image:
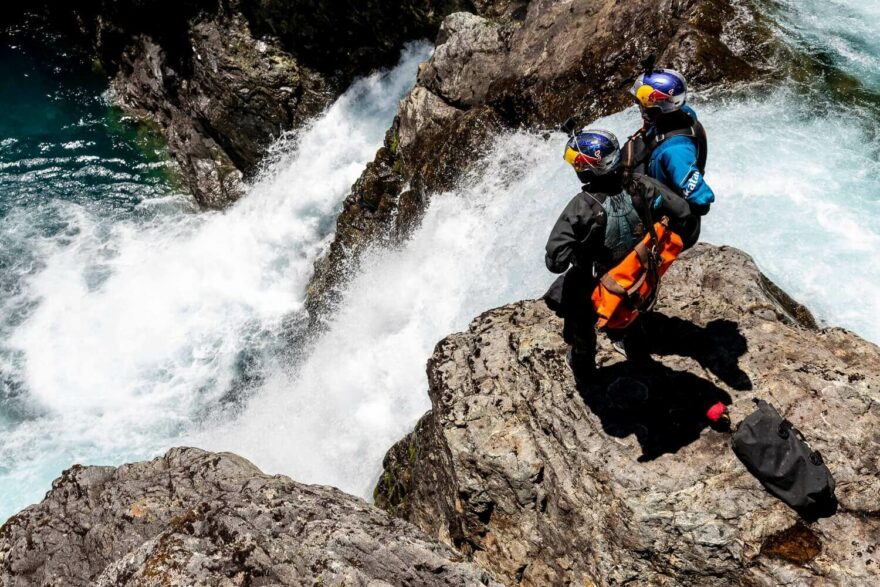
[671, 146]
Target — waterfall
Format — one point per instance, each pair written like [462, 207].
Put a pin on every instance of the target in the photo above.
[139, 325]
[128, 332]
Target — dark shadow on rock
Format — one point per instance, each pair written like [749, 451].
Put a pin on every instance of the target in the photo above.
[664, 408]
[823, 509]
[717, 346]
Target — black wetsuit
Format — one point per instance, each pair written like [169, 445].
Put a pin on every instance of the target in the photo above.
[579, 245]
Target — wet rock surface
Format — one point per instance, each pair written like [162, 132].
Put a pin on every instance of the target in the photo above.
[514, 64]
[621, 480]
[199, 518]
[224, 79]
[238, 95]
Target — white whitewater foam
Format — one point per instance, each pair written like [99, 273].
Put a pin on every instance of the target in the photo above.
[140, 324]
[810, 223]
[799, 189]
[364, 383]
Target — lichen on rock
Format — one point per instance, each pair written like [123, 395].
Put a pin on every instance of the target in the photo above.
[198, 518]
[622, 480]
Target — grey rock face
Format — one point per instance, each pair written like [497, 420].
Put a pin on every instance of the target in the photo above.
[622, 481]
[238, 95]
[198, 518]
[526, 64]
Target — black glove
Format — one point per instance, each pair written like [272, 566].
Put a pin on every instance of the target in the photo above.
[657, 195]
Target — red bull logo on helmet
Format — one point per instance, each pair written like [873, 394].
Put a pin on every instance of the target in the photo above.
[585, 160]
[650, 96]
[581, 160]
[658, 96]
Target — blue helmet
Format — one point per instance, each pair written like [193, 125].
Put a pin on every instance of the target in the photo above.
[593, 151]
[664, 89]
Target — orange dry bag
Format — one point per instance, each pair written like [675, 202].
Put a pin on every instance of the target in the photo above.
[631, 286]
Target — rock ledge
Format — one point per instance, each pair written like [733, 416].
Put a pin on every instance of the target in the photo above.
[622, 480]
[197, 518]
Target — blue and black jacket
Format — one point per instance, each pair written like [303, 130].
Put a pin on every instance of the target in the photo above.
[673, 151]
[675, 162]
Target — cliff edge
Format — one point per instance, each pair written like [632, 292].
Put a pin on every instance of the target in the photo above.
[197, 518]
[518, 475]
[622, 481]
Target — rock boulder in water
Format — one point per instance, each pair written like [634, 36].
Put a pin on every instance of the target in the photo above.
[221, 111]
[199, 518]
[622, 481]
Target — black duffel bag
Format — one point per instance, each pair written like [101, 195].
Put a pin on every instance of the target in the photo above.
[775, 452]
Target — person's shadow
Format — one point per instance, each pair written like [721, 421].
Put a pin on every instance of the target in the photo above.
[717, 346]
[666, 409]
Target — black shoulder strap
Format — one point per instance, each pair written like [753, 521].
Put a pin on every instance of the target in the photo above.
[636, 153]
[679, 132]
[649, 218]
[702, 146]
[696, 132]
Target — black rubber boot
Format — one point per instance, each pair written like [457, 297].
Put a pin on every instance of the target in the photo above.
[632, 343]
[583, 365]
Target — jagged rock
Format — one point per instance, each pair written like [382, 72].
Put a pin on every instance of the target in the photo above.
[466, 62]
[223, 79]
[531, 64]
[199, 518]
[622, 481]
[422, 111]
[236, 97]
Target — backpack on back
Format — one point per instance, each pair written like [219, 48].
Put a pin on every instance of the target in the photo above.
[775, 452]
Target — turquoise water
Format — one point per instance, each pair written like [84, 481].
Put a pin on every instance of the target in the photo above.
[60, 139]
[64, 155]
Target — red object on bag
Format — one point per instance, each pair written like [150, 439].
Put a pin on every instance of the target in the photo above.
[716, 412]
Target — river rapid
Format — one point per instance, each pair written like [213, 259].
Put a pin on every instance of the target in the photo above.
[130, 322]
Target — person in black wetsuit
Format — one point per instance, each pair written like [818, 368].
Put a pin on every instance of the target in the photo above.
[596, 230]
